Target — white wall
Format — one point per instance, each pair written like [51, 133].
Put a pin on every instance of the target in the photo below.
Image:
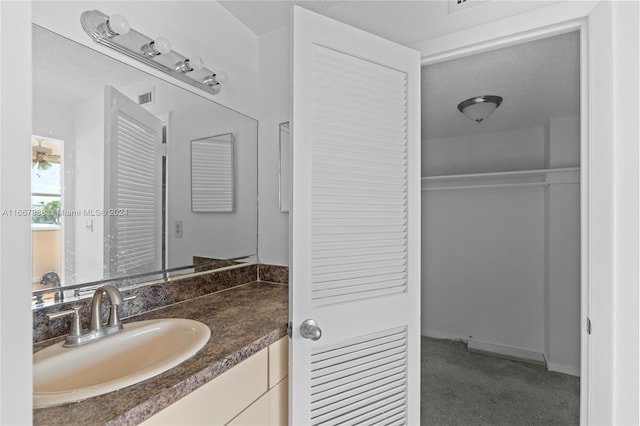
[15, 244]
[89, 129]
[273, 225]
[483, 265]
[627, 134]
[502, 265]
[195, 27]
[563, 151]
[562, 248]
[562, 280]
[520, 149]
[602, 199]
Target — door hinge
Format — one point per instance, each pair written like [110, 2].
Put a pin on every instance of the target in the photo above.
[290, 329]
[588, 326]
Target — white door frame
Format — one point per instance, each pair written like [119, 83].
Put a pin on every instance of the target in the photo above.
[515, 37]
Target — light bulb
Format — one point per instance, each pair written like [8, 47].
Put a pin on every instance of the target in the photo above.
[210, 80]
[222, 77]
[156, 47]
[118, 24]
[196, 63]
[162, 45]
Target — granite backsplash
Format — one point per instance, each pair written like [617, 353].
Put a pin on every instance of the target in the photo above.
[148, 298]
[158, 295]
[273, 273]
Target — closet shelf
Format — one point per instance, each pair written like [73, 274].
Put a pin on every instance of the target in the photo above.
[539, 177]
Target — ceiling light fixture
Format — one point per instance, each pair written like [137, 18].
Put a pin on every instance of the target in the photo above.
[479, 108]
[41, 165]
[42, 157]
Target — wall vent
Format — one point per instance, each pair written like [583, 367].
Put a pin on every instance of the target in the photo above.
[147, 97]
[458, 5]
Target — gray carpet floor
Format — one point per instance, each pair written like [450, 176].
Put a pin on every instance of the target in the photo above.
[467, 388]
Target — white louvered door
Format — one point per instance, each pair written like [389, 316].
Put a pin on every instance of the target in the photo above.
[354, 226]
[133, 187]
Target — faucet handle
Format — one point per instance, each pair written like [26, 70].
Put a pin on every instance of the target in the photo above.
[114, 317]
[76, 329]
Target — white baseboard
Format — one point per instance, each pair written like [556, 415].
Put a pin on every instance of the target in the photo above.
[565, 369]
[510, 352]
[439, 335]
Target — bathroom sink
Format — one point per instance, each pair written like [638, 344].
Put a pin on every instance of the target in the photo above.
[141, 350]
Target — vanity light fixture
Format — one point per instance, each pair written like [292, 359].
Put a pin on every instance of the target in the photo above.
[114, 32]
[114, 25]
[156, 47]
[479, 108]
[214, 80]
[195, 63]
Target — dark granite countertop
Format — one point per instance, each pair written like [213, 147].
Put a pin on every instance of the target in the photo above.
[243, 320]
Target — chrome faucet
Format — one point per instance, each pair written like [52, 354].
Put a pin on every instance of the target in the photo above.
[98, 330]
[115, 299]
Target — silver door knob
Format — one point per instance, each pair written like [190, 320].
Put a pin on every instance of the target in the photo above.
[309, 330]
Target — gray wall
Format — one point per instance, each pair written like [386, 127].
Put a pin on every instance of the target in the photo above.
[501, 265]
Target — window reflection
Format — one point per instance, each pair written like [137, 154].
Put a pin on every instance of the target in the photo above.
[46, 207]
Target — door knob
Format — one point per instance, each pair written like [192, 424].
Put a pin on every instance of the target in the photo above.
[309, 330]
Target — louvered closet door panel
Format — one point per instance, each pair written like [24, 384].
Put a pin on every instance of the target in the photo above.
[354, 227]
[360, 381]
[359, 175]
[133, 188]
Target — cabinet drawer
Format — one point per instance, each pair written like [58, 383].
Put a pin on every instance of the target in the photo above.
[222, 399]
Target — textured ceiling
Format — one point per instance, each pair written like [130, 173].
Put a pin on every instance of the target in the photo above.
[538, 80]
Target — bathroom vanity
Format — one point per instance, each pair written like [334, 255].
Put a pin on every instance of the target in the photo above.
[238, 377]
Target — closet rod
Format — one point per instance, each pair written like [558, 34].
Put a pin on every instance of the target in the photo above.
[503, 185]
[522, 173]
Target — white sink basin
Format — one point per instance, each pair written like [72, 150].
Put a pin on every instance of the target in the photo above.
[141, 350]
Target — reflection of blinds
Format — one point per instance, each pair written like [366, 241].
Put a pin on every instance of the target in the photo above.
[136, 229]
[133, 177]
[212, 174]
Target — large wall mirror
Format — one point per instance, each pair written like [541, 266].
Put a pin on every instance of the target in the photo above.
[112, 175]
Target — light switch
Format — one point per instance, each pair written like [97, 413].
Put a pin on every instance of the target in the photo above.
[178, 228]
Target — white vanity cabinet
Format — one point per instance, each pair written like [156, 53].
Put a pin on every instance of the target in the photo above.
[254, 392]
